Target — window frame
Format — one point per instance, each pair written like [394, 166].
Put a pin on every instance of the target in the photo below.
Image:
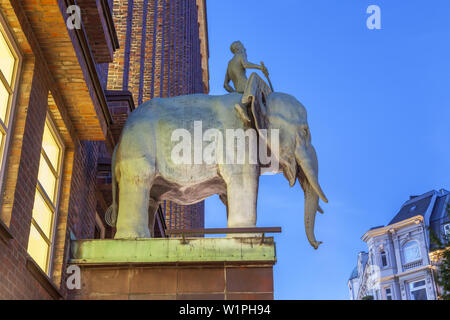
[410, 283]
[48, 202]
[447, 229]
[383, 254]
[390, 294]
[12, 103]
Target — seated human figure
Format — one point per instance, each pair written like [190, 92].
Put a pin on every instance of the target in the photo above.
[237, 67]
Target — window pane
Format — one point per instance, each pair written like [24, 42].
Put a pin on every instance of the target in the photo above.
[7, 60]
[38, 248]
[2, 143]
[383, 259]
[51, 148]
[419, 294]
[411, 252]
[418, 284]
[47, 179]
[4, 99]
[447, 229]
[42, 214]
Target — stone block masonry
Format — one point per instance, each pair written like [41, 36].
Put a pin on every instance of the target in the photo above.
[155, 269]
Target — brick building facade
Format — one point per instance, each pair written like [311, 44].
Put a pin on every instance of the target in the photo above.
[163, 53]
[65, 93]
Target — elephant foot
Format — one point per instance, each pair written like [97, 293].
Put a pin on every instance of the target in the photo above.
[132, 234]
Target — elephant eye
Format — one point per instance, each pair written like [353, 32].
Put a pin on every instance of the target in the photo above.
[305, 132]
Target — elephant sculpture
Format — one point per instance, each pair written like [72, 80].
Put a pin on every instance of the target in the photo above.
[144, 169]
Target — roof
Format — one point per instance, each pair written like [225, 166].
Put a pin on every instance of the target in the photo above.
[439, 213]
[420, 205]
[363, 257]
[431, 205]
[439, 216]
[413, 207]
[354, 274]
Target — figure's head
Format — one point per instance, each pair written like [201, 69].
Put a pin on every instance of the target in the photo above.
[237, 47]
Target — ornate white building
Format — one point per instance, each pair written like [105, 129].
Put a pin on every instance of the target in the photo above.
[398, 264]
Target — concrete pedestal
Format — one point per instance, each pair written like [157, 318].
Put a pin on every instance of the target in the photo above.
[170, 268]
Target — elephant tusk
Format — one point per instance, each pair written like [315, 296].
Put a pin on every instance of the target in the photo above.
[320, 209]
[307, 160]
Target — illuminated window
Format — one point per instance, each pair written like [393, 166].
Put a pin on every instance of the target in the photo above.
[46, 198]
[9, 66]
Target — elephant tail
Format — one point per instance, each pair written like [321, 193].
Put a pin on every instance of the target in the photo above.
[111, 213]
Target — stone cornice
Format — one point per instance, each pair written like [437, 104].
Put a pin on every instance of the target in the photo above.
[405, 273]
[121, 95]
[392, 227]
[173, 251]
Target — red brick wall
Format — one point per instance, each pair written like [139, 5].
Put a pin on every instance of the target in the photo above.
[38, 94]
[83, 200]
[15, 280]
[82, 204]
[93, 17]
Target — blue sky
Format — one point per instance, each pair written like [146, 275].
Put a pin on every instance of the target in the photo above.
[378, 103]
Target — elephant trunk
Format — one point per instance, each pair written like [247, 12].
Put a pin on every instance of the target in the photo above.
[307, 174]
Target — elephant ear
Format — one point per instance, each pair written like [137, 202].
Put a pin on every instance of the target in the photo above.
[253, 103]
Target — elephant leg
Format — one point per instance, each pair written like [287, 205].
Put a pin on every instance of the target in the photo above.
[152, 209]
[242, 191]
[223, 198]
[133, 216]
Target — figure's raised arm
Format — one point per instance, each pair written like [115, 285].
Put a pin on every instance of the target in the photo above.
[248, 65]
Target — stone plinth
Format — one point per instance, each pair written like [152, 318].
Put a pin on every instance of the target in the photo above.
[168, 268]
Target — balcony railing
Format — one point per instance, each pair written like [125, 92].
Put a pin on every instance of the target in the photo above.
[261, 230]
[412, 265]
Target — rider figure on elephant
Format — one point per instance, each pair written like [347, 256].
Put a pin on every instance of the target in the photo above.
[237, 67]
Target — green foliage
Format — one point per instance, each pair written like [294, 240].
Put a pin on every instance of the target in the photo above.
[367, 298]
[443, 252]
